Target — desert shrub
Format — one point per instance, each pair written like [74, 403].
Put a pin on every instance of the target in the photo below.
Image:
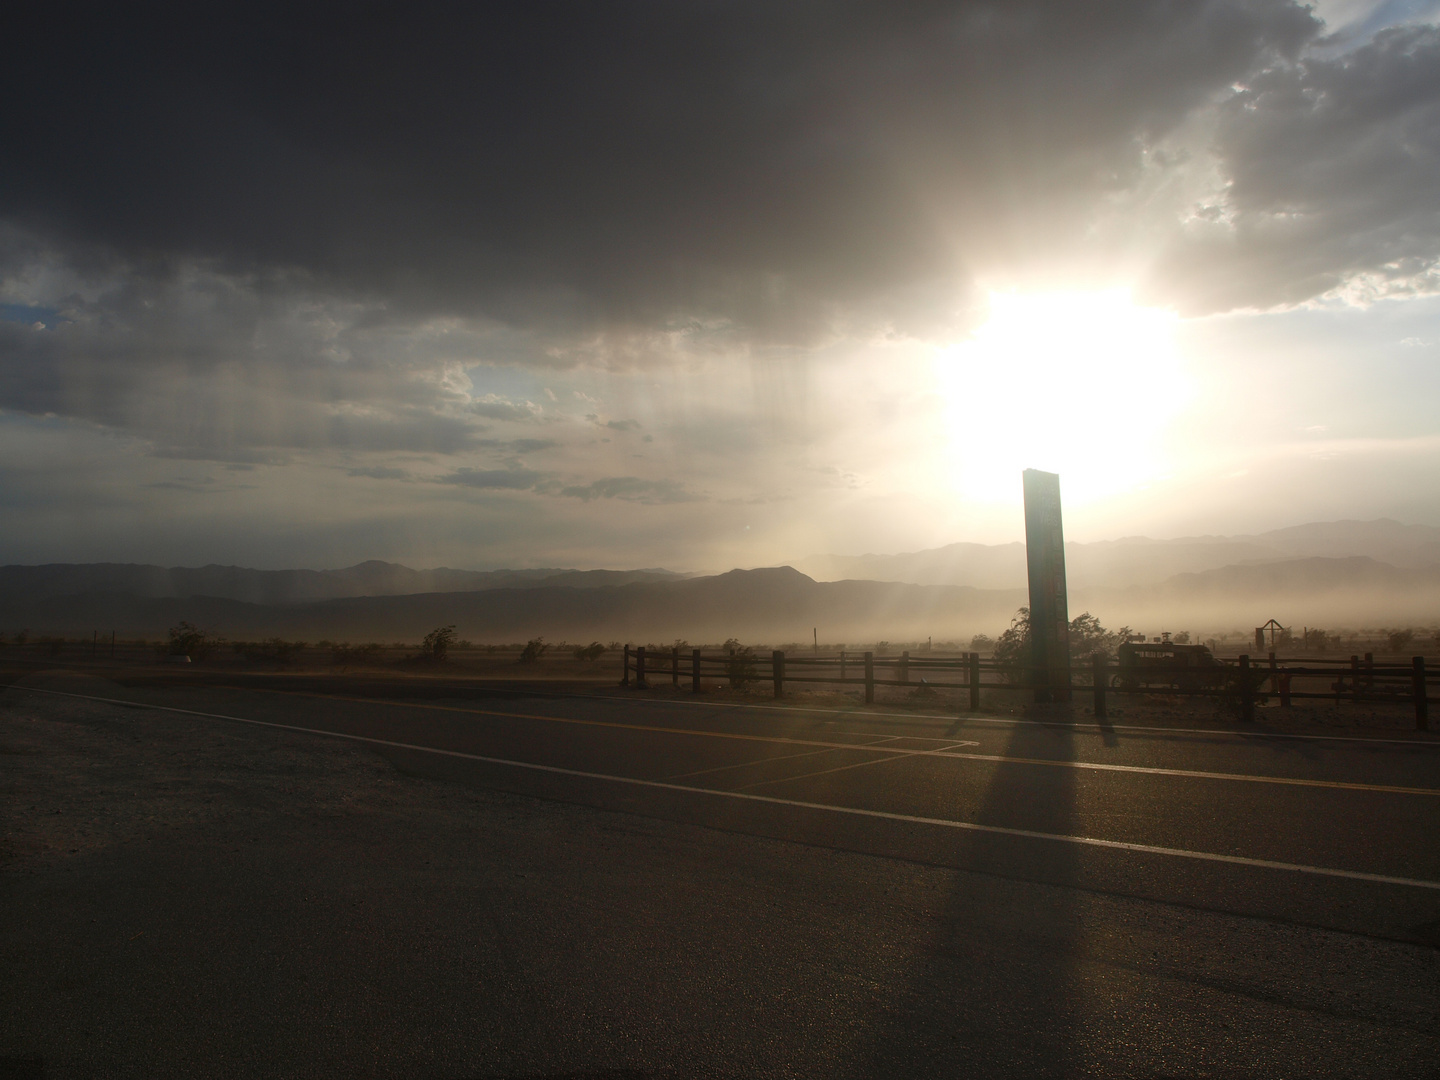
[1087, 638]
[342, 656]
[1315, 639]
[982, 643]
[533, 650]
[742, 663]
[437, 642]
[593, 651]
[271, 651]
[1399, 640]
[187, 639]
[1182, 638]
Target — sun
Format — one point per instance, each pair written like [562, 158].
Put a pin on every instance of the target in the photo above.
[1085, 384]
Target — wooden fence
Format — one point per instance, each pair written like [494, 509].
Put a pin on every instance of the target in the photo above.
[1239, 680]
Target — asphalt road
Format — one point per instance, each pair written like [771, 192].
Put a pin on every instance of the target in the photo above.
[1028, 829]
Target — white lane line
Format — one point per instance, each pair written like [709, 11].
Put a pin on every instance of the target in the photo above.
[966, 826]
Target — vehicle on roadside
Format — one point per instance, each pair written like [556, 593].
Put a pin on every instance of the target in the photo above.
[1157, 664]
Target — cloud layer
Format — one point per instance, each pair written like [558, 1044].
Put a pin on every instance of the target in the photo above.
[605, 257]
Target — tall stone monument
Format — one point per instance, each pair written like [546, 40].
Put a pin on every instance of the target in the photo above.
[1049, 607]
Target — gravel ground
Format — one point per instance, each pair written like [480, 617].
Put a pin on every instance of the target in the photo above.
[190, 899]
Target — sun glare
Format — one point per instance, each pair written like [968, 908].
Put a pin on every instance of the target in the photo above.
[1080, 383]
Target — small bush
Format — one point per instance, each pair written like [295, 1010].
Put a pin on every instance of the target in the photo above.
[534, 649]
[271, 651]
[742, 663]
[1087, 638]
[1399, 640]
[187, 639]
[593, 651]
[437, 642]
[342, 656]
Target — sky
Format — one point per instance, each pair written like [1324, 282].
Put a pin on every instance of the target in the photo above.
[703, 285]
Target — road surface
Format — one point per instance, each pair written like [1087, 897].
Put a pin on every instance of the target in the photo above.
[1137, 899]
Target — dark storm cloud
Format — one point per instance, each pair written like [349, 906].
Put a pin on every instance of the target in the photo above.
[503, 479]
[1335, 176]
[778, 165]
[632, 489]
[379, 472]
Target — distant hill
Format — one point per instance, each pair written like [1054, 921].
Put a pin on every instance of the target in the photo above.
[288, 586]
[1140, 560]
[773, 605]
[1326, 592]
[1327, 574]
[776, 604]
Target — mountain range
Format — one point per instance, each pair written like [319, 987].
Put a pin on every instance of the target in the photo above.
[1330, 574]
[1139, 560]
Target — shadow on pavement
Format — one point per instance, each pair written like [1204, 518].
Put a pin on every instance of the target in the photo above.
[994, 992]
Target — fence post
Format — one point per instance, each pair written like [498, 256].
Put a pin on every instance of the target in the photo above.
[842, 665]
[1422, 699]
[675, 666]
[1284, 680]
[640, 683]
[1355, 678]
[1369, 671]
[732, 669]
[869, 678]
[625, 674]
[1098, 676]
[905, 666]
[974, 682]
[1247, 691]
[777, 671]
[695, 671]
[1274, 675]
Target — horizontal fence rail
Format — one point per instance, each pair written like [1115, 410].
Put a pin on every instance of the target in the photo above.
[1240, 681]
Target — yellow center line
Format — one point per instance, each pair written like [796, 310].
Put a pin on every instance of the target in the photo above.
[1095, 766]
